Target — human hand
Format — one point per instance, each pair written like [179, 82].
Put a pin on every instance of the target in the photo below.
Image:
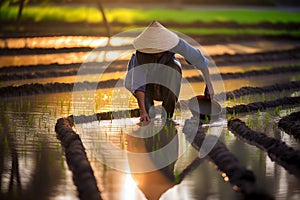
[208, 94]
[144, 118]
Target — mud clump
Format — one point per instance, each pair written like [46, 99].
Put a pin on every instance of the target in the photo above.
[291, 124]
[284, 102]
[243, 180]
[83, 175]
[277, 150]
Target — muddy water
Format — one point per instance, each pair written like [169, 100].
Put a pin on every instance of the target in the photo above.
[28, 138]
[30, 122]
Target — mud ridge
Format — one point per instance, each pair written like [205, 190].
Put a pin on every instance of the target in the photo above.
[226, 76]
[252, 73]
[255, 106]
[37, 88]
[83, 175]
[106, 116]
[243, 180]
[40, 51]
[223, 59]
[277, 150]
[291, 124]
[243, 91]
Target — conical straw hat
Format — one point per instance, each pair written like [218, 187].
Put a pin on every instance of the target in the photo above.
[155, 39]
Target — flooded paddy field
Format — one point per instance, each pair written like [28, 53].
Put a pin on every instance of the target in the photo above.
[39, 109]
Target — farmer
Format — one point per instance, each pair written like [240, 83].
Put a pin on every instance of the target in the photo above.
[155, 74]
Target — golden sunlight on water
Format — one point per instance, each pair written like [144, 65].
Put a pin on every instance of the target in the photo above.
[63, 42]
[61, 58]
[93, 42]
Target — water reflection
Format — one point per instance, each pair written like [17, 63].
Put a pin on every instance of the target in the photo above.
[157, 183]
[30, 164]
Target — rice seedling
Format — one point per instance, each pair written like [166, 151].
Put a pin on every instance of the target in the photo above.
[30, 121]
[258, 113]
[176, 176]
[249, 122]
[69, 107]
[266, 121]
[158, 137]
[28, 106]
[263, 98]
[277, 110]
[227, 133]
[166, 130]
[206, 120]
[61, 105]
[247, 99]
[157, 146]
[228, 101]
[234, 100]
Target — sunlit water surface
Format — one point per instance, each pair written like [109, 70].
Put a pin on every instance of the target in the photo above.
[29, 139]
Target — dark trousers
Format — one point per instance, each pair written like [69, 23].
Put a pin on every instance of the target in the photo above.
[161, 93]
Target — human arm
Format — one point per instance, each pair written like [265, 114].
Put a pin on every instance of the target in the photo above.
[140, 96]
[194, 57]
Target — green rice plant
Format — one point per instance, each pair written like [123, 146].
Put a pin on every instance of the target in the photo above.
[62, 162]
[277, 110]
[166, 130]
[266, 121]
[176, 176]
[227, 134]
[234, 100]
[28, 106]
[234, 114]
[30, 121]
[247, 99]
[241, 100]
[61, 105]
[158, 137]
[69, 107]
[249, 122]
[206, 119]
[228, 116]
[258, 113]
[229, 100]
[263, 98]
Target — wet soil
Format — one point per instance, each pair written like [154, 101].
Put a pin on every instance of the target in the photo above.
[277, 150]
[238, 175]
[291, 124]
[56, 70]
[83, 175]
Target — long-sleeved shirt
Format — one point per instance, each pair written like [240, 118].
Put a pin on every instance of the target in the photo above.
[136, 78]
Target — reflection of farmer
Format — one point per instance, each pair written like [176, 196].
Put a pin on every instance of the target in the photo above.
[155, 74]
